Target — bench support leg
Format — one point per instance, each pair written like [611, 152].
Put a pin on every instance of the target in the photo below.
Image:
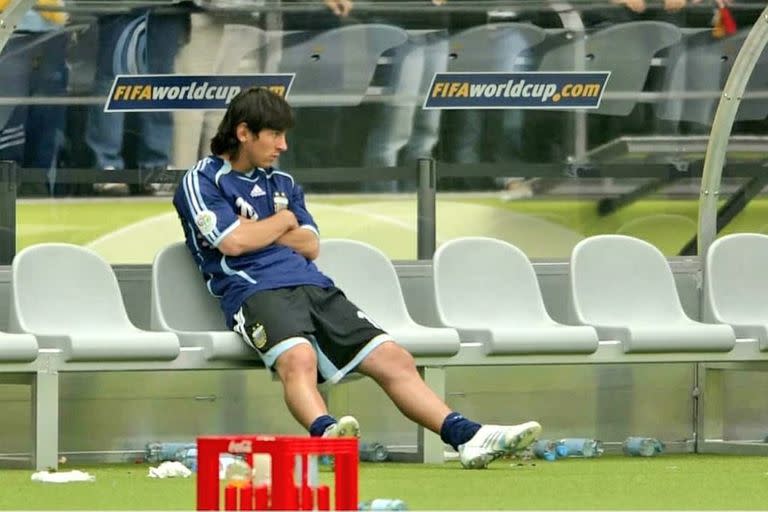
[45, 419]
[430, 447]
[709, 413]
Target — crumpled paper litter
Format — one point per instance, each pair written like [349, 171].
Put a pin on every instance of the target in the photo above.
[169, 469]
[61, 477]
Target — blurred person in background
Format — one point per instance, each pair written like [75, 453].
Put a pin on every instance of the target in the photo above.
[143, 41]
[33, 63]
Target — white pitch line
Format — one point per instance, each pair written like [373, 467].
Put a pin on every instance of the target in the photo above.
[144, 223]
[361, 211]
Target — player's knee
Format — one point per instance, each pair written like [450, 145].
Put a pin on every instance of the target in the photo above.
[298, 360]
[395, 357]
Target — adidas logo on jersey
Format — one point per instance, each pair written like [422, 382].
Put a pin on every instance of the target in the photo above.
[256, 191]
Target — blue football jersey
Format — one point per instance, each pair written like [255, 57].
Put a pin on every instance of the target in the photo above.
[209, 201]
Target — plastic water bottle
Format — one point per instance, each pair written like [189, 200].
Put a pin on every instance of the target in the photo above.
[161, 452]
[549, 450]
[188, 457]
[582, 447]
[642, 447]
[382, 504]
[238, 473]
[373, 452]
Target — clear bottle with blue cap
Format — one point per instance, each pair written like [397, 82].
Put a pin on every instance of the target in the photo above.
[383, 504]
[635, 446]
[161, 452]
[582, 447]
[373, 452]
[549, 450]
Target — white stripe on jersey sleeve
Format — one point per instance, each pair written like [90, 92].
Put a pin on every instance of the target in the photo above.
[227, 270]
[311, 228]
[191, 186]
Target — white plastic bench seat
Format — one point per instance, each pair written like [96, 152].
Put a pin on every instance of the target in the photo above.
[335, 67]
[17, 347]
[487, 290]
[182, 304]
[623, 286]
[735, 285]
[368, 278]
[608, 352]
[624, 49]
[69, 299]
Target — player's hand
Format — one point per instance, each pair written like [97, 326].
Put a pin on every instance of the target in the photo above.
[675, 5]
[339, 7]
[632, 5]
[289, 218]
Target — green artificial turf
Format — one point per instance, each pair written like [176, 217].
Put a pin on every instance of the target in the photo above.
[131, 231]
[667, 482]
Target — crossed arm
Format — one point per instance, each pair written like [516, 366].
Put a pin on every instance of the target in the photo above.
[281, 228]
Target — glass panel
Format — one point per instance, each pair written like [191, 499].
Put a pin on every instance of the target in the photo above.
[540, 178]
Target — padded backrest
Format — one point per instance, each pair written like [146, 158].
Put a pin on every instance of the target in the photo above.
[337, 64]
[624, 49]
[736, 281]
[180, 299]
[367, 277]
[59, 288]
[620, 280]
[702, 64]
[484, 282]
[491, 47]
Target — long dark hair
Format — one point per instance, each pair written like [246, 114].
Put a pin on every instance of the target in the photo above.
[258, 108]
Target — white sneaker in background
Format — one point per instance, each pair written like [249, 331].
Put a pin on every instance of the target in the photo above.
[111, 189]
[516, 189]
[493, 441]
[346, 426]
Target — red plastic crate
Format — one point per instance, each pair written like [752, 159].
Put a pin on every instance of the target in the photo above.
[284, 493]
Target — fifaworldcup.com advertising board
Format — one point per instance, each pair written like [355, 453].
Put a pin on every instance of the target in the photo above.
[157, 93]
[525, 90]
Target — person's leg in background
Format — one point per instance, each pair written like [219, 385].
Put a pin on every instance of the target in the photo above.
[166, 34]
[46, 123]
[15, 65]
[391, 125]
[507, 147]
[425, 130]
[104, 131]
[403, 126]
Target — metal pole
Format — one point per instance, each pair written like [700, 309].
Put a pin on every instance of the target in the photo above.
[426, 238]
[7, 212]
[571, 20]
[721, 130]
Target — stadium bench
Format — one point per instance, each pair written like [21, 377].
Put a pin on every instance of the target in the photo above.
[625, 49]
[182, 304]
[67, 299]
[487, 290]
[623, 286]
[637, 280]
[735, 285]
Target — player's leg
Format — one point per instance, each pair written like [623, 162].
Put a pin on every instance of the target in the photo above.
[393, 368]
[349, 340]
[297, 370]
[277, 324]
